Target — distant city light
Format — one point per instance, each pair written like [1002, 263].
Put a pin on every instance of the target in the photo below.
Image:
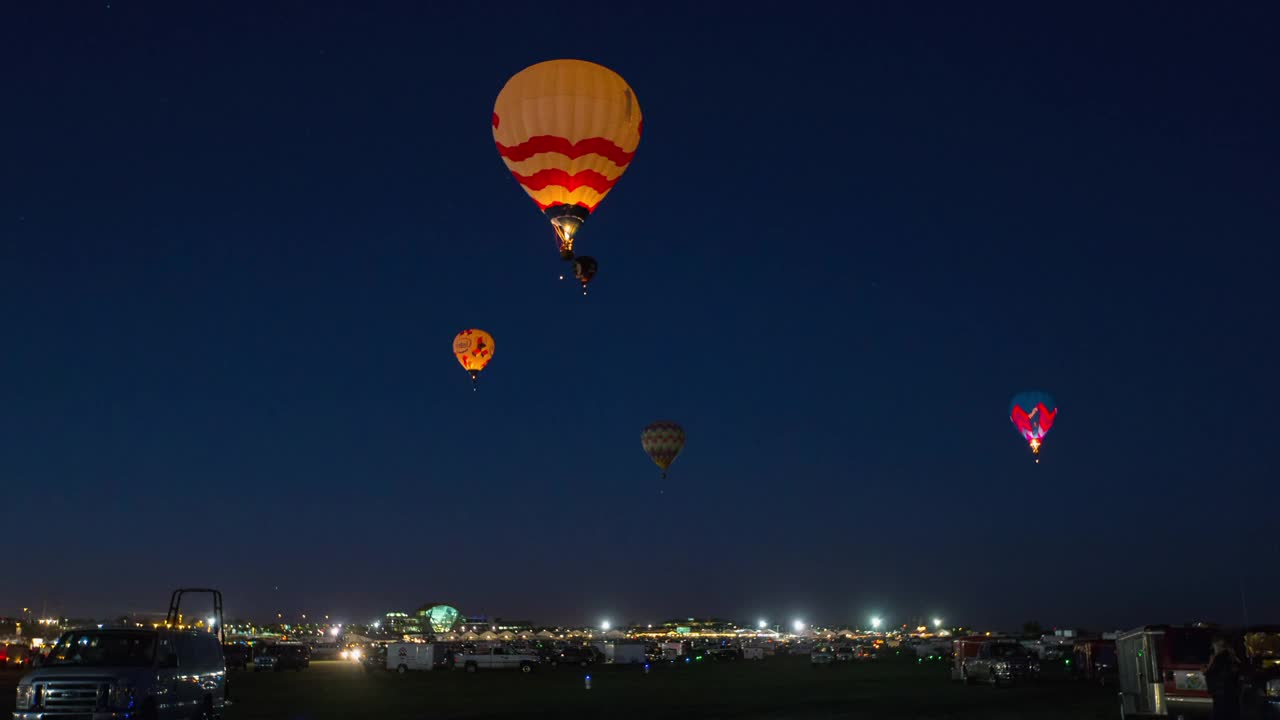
[875, 623]
[761, 624]
[333, 631]
[937, 622]
[799, 625]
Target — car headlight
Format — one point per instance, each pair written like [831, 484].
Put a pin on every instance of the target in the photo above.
[1001, 666]
[26, 697]
[1273, 688]
[121, 697]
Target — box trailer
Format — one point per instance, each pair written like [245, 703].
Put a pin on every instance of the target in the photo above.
[625, 653]
[1160, 670]
[403, 657]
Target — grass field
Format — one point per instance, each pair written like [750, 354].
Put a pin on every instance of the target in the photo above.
[773, 688]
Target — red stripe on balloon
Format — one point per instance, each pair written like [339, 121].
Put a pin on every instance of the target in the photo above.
[552, 144]
[589, 207]
[1046, 417]
[559, 178]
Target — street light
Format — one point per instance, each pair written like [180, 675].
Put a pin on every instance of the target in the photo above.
[761, 624]
[604, 625]
[875, 623]
[799, 626]
[937, 623]
[210, 621]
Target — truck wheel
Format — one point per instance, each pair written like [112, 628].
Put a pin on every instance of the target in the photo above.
[402, 668]
[582, 664]
[471, 667]
[526, 668]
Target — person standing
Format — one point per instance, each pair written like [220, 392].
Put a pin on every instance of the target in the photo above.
[1222, 675]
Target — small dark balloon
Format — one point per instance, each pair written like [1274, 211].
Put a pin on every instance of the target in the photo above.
[584, 268]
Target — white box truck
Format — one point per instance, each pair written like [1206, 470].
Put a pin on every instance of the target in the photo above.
[403, 657]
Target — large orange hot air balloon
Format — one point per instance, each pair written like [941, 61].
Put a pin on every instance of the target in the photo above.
[662, 442]
[567, 130]
[474, 350]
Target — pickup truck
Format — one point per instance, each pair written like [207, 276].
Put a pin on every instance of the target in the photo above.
[498, 658]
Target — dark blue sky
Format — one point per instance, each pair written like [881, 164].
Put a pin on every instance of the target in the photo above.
[236, 243]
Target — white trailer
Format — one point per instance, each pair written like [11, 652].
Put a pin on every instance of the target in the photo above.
[403, 657]
[673, 650]
[625, 653]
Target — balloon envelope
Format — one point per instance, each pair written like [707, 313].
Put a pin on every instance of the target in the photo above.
[1033, 413]
[567, 130]
[474, 349]
[662, 442]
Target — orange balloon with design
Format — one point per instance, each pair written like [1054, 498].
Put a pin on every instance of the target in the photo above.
[567, 130]
[474, 350]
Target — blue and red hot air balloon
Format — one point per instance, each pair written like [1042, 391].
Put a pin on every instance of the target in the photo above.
[1033, 413]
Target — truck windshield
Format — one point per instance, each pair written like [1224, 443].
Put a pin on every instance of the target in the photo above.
[1262, 645]
[1007, 650]
[104, 649]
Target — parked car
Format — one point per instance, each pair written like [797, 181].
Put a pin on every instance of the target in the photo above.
[844, 654]
[821, 655]
[864, 652]
[1000, 662]
[497, 658]
[1094, 659]
[236, 654]
[15, 655]
[1261, 656]
[574, 655]
[727, 654]
[147, 673]
[282, 656]
[374, 658]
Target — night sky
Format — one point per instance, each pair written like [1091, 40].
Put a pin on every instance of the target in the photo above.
[236, 242]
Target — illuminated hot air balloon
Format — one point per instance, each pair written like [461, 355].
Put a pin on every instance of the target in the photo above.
[567, 130]
[1033, 414]
[662, 442]
[474, 350]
